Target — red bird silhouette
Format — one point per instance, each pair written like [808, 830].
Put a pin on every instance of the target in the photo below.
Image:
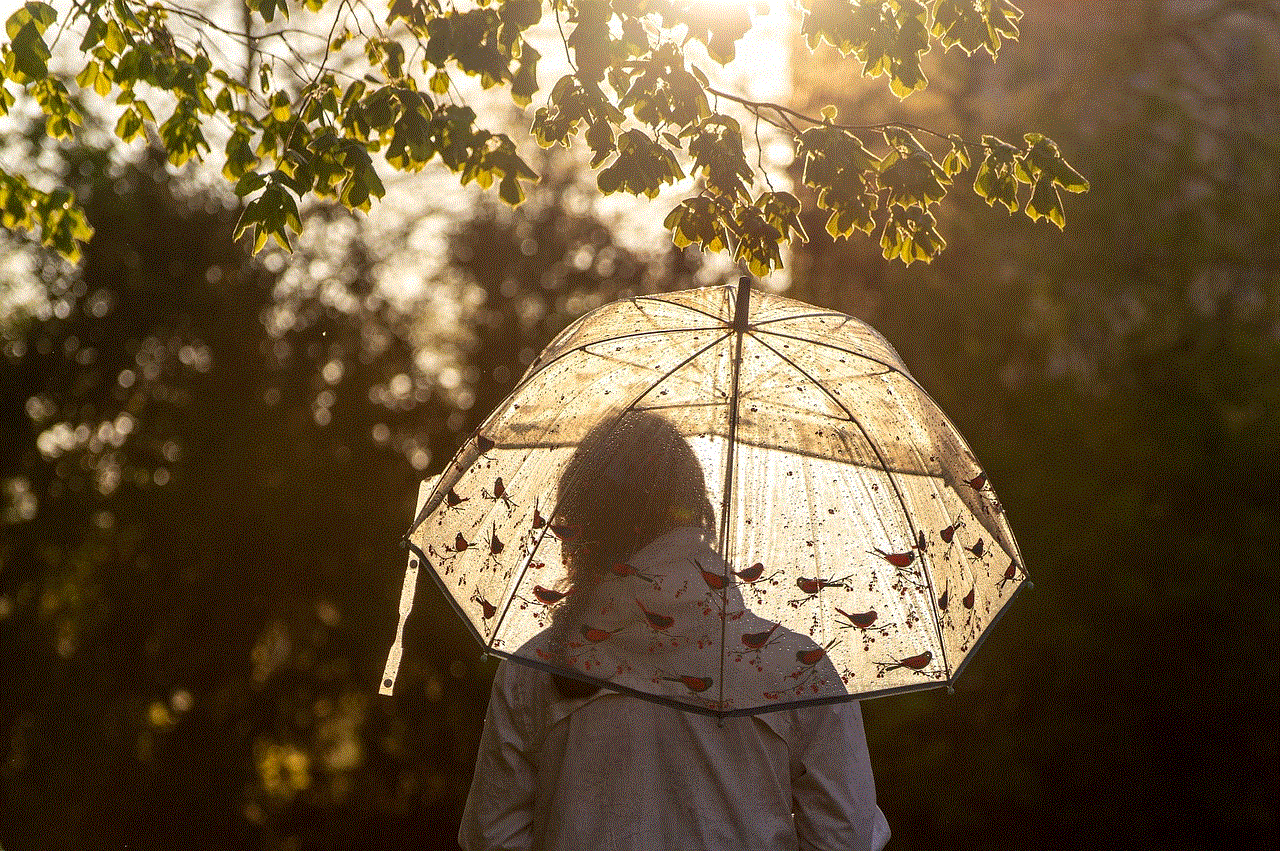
[977, 482]
[750, 574]
[696, 684]
[914, 663]
[621, 568]
[594, 635]
[896, 559]
[659, 622]
[714, 581]
[810, 657]
[459, 544]
[862, 620]
[756, 640]
[452, 499]
[968, 599]
[483, 443]
[945, 598]
[977, 549]
[489, 609]
[1010, 574]
[496, 545]
[538, 520]
[950, 532]
[499, 493]
[547, 596]
[813, 586]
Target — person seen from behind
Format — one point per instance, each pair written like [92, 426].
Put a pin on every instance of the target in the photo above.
[565, 765]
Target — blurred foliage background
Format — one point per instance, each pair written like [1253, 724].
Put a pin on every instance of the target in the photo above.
[207, 462]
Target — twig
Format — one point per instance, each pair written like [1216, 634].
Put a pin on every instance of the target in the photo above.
[785, 111]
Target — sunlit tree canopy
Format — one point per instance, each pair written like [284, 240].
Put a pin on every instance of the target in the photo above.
[328, 85]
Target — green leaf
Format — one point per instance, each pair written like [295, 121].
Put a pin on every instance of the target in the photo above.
[89, 75]
[94, 34]
[715, 144]
[510, 191]
[910, 172]
[1046, 203]
[525, 82]
[281, 106]
[1042, 157]
[641, 167]
[39, 16]
[911, 234]
[56, 104]
[240, 159]
[362, 185]
[758, 241]
[997, 179]
[782, 210]
[28, 56]
[957, 159]
[130, 126]
[698, 221]
[887, 37]
[114, 39]
[975, 26]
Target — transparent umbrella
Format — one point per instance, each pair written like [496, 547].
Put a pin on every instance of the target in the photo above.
[722, 500]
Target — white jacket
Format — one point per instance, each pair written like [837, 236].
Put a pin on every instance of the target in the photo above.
[614, 772]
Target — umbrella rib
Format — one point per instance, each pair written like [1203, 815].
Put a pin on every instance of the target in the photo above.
[942, 645]
[677, 304]
[888, 366]
[583, 347]
[726, 503]
[799, 316]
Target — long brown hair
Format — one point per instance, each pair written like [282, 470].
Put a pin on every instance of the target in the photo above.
[630, 481]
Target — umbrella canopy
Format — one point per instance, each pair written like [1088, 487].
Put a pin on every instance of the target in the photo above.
[723, 500]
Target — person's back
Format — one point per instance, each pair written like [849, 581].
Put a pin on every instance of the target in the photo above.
[575, 763]
[614, 772]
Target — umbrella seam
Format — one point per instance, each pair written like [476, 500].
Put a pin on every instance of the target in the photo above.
[901, 370]
[688, 307]
[726, 504]
[584, 346]
[683, 706]
[800, 316]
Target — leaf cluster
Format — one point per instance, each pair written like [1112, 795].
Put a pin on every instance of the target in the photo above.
[649, 116]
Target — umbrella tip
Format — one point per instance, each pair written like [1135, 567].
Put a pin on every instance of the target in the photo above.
[1031, 586]
[951, 689]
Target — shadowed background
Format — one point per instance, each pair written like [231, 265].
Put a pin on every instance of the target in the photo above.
[207, 463]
